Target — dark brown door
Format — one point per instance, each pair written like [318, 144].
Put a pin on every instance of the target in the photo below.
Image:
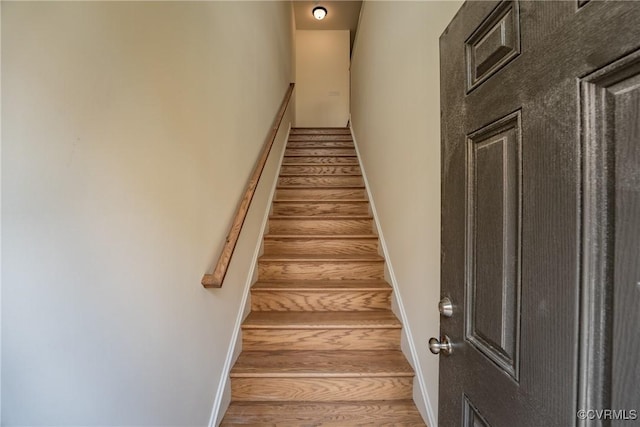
[541, 214]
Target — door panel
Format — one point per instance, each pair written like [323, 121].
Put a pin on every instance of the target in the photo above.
[611, 116]
[493, 242]
[540, 218]
[493, 44]
[472, 417]
[626, 283]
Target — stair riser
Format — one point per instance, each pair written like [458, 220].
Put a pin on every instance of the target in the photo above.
[321, 389]
[327, 160]
[319, 152]
[317, 270]
[320, 246]
[320, 131]
[319, 144]
[322, 209]
[321, 181]
[323, 226]
[319, 194]
[338, 414]
[320, 170]
[320, 339]
[323, 138]
[320, 300]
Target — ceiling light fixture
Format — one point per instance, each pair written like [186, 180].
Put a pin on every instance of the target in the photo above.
[319, 12]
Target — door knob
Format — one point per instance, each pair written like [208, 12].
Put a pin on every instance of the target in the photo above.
[443, 345]
[446, 307]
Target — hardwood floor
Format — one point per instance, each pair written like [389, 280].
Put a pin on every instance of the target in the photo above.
[321, 346]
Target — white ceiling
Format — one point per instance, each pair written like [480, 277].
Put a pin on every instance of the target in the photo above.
[341, 15]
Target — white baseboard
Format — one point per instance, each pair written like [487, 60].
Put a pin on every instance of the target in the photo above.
[413, 356]
[224, 377]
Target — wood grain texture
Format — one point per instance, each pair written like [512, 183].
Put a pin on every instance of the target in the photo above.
[325, 208]
[314, 320]
[321, 389]
[320, 144]
[322, 300]
[215, 279]
[320, 270]
[350, 160]
[320, 131]
[334, 414]
[320, 138]
[321, 180]
[321, 327]
[321, 225]
[321, 331]
[287, 193]
[321, 245]
[323, 152]
[321, 364]
[321, 339]
[312, 169]
[307, 285]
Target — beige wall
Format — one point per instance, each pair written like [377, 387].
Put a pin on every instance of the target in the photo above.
[395, 115]
[129, 132]
[322, 78]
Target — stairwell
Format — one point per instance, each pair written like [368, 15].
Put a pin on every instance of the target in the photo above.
[321, 345]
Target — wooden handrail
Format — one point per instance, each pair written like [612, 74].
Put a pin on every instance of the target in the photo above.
[215, 279]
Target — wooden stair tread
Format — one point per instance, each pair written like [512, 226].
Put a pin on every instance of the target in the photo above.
[317, 155]
[321, 258]
[321, 285]
[329, 225]
[322, 130]
[335, 414]
[336, 168]
[316, 181]
[320, 193]
[315, 144]
[322, 164]
[344, 137]
[323, 138]
[320, 187]
[321, 160]
[310, 137]
[323, 364]
[320, 217]
[330, 142]
[321, 201]
[384, 319]
[331, 207]
[320, 236]
[339, 134]
[320, 175]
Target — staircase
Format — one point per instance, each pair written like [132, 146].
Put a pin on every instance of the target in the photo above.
[321, 345]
